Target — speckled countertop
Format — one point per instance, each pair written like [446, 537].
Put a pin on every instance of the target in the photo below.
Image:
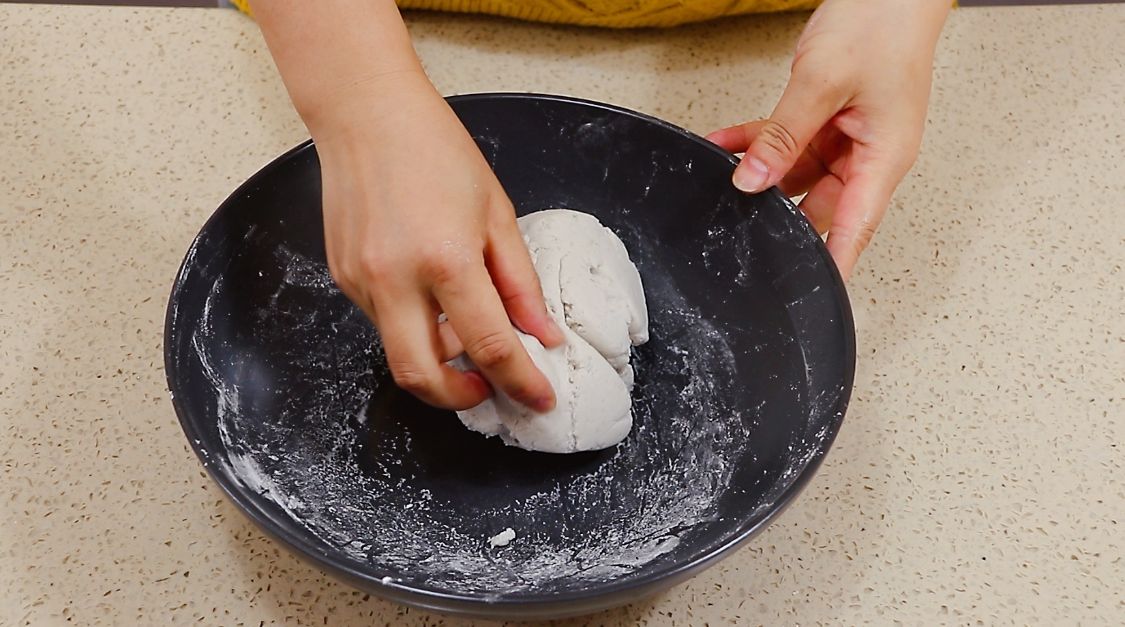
[978, 478]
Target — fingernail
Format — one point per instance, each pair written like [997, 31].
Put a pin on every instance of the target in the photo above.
[543, 405]
[751, 175]
[556, 330]
[480, 382]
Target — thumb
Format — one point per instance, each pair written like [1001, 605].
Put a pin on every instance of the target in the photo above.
[805, 107]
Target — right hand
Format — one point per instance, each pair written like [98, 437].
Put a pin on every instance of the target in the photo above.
[415, 225]
[849, 125]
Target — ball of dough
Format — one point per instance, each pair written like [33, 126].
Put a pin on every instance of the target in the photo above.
[594, 293]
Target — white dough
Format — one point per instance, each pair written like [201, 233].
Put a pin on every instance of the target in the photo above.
[502, 539]
[594, 293]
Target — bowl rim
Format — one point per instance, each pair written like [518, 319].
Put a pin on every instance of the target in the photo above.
[575, 602]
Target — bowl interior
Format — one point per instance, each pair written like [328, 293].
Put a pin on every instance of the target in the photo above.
[280, 384]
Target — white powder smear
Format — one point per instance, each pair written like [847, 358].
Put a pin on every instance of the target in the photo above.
[343, 455]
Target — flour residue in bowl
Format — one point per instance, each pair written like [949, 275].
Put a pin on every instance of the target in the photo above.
[310, 455]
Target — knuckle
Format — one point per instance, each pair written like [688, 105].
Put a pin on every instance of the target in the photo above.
[521, 298]
[339, 271]
[827, 84]
[346, 276]
[780, 140]
[820, 68]
[375, 264]
[410, 377]
[490, 350]
[862, 235]
[866, 232]
[443, 265]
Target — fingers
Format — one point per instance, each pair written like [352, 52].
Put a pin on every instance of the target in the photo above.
[804, 173]
[737, 139]
[517, 284]
[849, 213]
[820, 203]
[478, 317]
[410, 340]
[862, 203]
[807, 104]
[450, 344]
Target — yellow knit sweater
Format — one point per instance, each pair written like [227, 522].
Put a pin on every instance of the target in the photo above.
[609, 13]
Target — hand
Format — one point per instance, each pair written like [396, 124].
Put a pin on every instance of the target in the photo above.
[416, 224]
[849, 125]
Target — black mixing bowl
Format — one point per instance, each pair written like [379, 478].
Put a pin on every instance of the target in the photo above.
[281, 388]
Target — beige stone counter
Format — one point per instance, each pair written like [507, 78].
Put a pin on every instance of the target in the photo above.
[978, 477]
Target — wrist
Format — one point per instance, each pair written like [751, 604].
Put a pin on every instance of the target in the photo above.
[363, 101]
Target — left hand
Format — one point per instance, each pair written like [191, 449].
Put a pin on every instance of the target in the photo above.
[849, 125]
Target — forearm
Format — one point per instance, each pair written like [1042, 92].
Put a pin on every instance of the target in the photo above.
[338, 56]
